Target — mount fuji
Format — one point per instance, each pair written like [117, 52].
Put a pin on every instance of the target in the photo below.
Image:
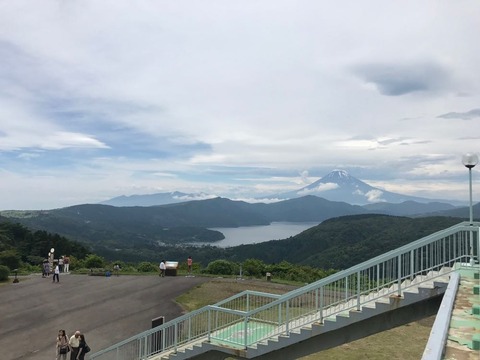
[339, 185]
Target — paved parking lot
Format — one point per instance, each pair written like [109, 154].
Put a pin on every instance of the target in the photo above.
[106, 310]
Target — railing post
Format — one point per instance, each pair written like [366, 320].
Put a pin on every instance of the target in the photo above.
[444, 260]
[279, 314]
[139, 348]
[478, 243]
[209, 325]
[164, 336]
[455, 244]
[399, 280]
[145, 348]
[359, 290]
[470, 244]
[287, 317]
[175, 340]
[346, 288]
[412, 264]
[321, 303]
[245, 332]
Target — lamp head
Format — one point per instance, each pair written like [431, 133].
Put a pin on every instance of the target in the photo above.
[470, 160]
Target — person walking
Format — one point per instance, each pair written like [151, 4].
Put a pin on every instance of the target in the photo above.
[46, 268]
[62, 347]
[162, 268]
[116, 269]
[189, 265]
[74, 342]
[60, 263]
[82, 348]
[56, 274]
[66, 263]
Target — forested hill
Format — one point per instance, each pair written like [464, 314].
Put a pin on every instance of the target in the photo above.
[119, 227]
[342, 242]
[337, 243]
[20, 243]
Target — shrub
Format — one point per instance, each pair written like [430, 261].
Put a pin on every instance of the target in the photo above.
[10, 258]
[4, 273]
[147, 267]
[253, 267]
[76, 263]
[94, 261]
[27, 268]
[221, 267]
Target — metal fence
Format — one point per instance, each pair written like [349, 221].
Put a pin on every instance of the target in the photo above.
[251, 317]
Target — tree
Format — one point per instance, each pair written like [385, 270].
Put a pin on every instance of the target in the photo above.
[253, 267]
[4, 273]
[94, 261]
[10, 258]
[147, 267]
[221, 267]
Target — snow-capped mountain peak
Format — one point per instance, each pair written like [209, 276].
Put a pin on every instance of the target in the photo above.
[338, 176]
[339, 185]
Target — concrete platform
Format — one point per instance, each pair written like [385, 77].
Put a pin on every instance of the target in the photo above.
[464, 332]
[106, 309]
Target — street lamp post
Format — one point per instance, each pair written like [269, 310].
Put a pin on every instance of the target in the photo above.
[50, 259]
[470, 160]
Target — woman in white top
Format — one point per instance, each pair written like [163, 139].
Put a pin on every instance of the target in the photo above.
[62, 348]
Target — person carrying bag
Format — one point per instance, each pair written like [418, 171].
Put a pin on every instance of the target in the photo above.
[62, 347]
[83, 348]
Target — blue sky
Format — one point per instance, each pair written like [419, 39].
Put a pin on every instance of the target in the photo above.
[234, 98]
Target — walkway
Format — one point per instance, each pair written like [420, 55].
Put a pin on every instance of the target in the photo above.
[106, 309]
[464, 333]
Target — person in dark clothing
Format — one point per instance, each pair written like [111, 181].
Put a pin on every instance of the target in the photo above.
[82, 346]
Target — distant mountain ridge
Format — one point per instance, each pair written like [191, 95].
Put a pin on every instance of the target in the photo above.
[155, 199]
[338, 186]
[192, 221]
[409, 208]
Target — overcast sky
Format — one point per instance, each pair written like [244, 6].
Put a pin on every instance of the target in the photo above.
[235, 98]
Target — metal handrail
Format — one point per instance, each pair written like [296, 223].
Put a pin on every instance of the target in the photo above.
[251, 317]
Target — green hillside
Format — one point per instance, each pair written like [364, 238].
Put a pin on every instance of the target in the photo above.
[342, 242]
[173, 224]
[135, 234]
[334, 244]
[20, 243]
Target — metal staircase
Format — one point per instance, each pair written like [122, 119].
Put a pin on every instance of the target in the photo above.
[252, 324]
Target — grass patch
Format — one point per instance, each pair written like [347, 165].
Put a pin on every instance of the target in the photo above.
[400, 343]
[219, 289]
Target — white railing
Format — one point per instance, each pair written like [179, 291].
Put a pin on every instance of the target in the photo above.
[250, 317]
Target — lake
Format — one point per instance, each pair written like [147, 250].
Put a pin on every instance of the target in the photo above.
[257, 234]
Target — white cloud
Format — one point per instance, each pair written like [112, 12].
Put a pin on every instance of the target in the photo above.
[374, 196]
[238, 97]
[318, 189]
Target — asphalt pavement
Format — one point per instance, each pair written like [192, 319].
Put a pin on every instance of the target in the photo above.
[106, 309]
